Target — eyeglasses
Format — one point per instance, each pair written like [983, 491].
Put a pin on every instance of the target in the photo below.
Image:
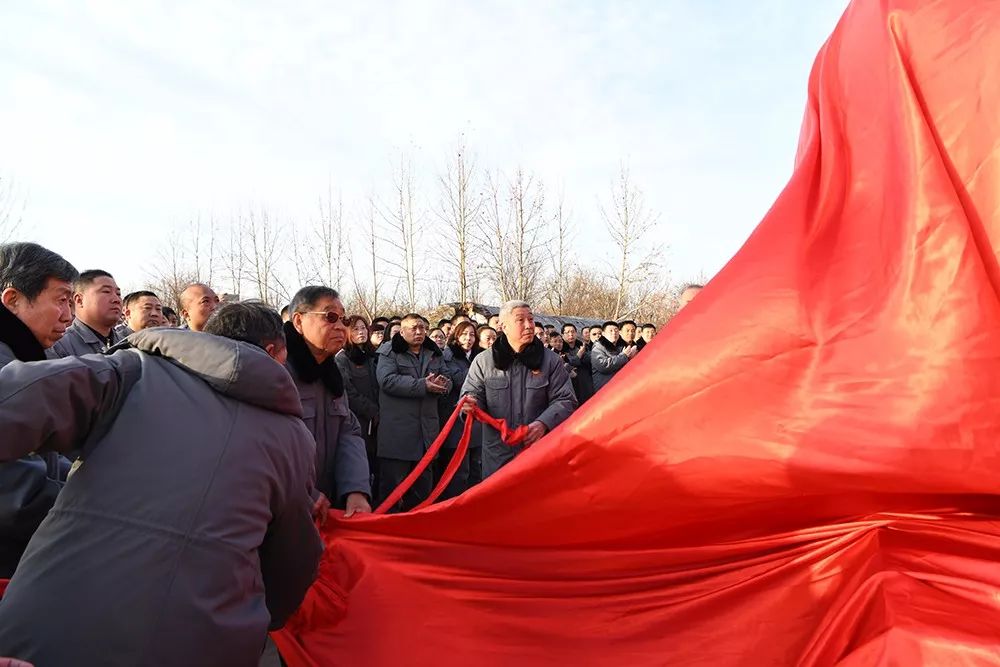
[328, 315]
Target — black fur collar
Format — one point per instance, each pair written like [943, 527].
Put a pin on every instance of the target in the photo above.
[305, 364]
[459, 353]
[399, 345]
[504, 356]
[19, 338]
[613, 348]
[358, 354]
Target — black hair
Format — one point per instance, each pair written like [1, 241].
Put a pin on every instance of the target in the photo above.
[252, 322]
[135, 296]
[649, 325]
[609, 323]
[168, 311]
[568, 325]
[87, 278]
[27, 267]
[306, 298]
[624, 322]
[443, 322]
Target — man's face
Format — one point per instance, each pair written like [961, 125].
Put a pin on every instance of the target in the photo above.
[48, 315]
[144, 313]
[556, 343]
[519, 325]
[328, 338]
[199, 304]
[687, 296]
[569, 335]
[414, 332]
[494, 322]
[595, 335]
[446, 329]
[540, 333]
[628, 332]
[648, 333]
[611, 333]
[100, 303]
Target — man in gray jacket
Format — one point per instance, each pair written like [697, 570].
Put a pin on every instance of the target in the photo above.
[609, 355]
[520, 381]
[315, 334]
[168, 546]
[98, 302]
[412, 380]
[35, 291]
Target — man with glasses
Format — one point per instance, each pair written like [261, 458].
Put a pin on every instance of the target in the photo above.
[412, 379]
[314, 336]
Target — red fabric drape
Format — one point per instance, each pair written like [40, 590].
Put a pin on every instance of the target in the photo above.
[800, 469]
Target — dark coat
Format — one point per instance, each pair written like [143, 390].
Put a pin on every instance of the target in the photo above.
[28, 486]
[341, 459]
[187, 531]
[81, 339]
[357, 368]
[583, 383]
[408, 414]
[520, 389]
[606, 359]
[458, 365]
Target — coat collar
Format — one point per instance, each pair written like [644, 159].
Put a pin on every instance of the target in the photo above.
[458, 353]
[613, 348]
[19, 338]
[305, 366]
[504, 356]
[399, 346]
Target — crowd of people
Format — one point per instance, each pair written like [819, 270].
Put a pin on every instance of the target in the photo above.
[174, 463]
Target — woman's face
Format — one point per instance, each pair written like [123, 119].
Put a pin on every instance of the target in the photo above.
[359, 332]
[467, 338]
[438, 337]
[377, 337]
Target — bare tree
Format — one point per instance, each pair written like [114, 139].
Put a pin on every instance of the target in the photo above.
[11, 209]
[560, 258]
[330, 243]
[403, 226]
[630, 225]
[513, 235]
[263, 254]
[188, 255]
[369, 297]
[459, 210]
[233, 257]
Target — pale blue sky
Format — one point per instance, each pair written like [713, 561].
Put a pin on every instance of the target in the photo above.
[121, 120]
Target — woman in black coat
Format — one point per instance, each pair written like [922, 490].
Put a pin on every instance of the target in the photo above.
[357, 366]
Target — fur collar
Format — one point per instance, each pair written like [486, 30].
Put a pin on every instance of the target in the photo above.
[302, 360]
[399, 346]
[18, 337]
[613, 348]
[458, 353]
[504, 356]
[358, 354]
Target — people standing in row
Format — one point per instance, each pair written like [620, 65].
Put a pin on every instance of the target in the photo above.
[608, 356]
[578, 358]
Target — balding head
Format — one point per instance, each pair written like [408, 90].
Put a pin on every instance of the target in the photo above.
[198, 302]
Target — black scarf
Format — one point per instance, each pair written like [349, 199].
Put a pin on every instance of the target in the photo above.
[640, 343]
[613, 348]
[399, 345]
[459, 353]
[359, 354]
[305, 364]
[504, 356]
[18, 337]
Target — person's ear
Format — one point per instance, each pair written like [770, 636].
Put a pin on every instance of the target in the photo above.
[297, 321]
[11, 299]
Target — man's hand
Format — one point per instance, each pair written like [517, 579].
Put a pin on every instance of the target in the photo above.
[468, 403]
[321, 509]
[436, 384]
[357, 503]
[12, 662]
[535, 432]
[631, 351]
[581, 351]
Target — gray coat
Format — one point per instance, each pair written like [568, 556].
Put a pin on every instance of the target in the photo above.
[80, 339]
[408, 413]
[605, 363]
[341, 460]
[518, 395]
[187, 532]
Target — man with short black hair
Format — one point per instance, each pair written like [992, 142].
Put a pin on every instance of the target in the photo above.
[196, 541]
[198, 301]
[627, 330]
[648, 332]
[412, 380]
[579, 359]
[35, 311]
[315, 334]
[494, 323]
[609, 356]
[143, 310]
[98, 303]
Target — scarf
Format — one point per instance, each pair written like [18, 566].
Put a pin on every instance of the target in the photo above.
[305, 364]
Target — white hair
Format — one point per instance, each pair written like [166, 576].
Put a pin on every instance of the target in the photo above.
[509, 307]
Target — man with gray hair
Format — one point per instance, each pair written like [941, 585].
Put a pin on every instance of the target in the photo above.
[35, 311]
[520, 381]
[169, 545]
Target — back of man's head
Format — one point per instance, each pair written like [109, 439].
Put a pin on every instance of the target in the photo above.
[252, 322]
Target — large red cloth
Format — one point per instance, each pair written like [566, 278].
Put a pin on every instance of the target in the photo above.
[800, 469]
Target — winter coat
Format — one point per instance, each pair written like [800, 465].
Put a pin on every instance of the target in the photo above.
[81, 339]
[583, 383]
[28, 486]
[520, 389]
[187, 531]
[341, 459]
[357, 368]
[606, 359]
[458, 365]
[408, 413]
